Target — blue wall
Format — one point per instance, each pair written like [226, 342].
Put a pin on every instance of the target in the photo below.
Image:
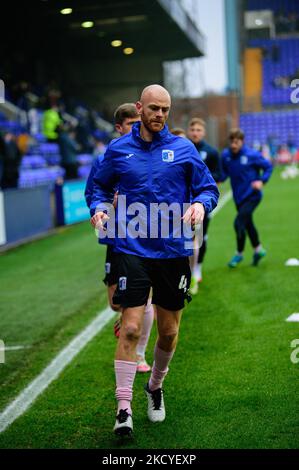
[27, 212]
[70, 203]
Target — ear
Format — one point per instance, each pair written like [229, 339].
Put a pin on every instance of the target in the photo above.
[118, 128]
[139, 107]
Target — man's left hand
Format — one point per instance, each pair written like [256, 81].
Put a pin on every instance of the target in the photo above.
[195, 214]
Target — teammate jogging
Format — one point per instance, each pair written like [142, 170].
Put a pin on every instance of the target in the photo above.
[196, 133]
[151, 167]
[248, 171]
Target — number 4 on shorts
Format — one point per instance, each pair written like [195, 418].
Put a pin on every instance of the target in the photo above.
[183, 283]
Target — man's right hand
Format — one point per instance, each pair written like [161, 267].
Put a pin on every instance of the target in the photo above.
[98, 219]
[257, 185]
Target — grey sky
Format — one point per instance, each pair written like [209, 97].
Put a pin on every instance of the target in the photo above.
[208, 73]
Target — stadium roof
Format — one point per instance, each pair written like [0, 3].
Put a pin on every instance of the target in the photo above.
[147, 26]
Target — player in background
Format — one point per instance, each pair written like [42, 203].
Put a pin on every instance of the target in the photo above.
[160, 168]
[178, 131]
[248, 171]
[196, 133]
[124, 117]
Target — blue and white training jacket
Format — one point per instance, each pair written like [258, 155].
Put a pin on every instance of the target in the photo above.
[243, 168]
[166, 170]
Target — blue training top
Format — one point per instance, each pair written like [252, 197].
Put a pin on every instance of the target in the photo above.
[166, 170]
[89, 191]
[243, 168]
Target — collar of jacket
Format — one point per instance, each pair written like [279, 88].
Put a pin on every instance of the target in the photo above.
[162, 136]
[243, 151]
[199, 146]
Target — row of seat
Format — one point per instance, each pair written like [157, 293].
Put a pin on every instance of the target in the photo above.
[285, 6]
[282, 126]
[283, 67]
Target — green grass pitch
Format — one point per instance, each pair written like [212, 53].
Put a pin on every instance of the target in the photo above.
[231, 383]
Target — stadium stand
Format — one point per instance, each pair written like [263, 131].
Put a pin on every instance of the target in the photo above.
[278, 6]
[42, 162]
[280, 67]
[261, 127]
[41, 165]
[10, 126]
[270, 119]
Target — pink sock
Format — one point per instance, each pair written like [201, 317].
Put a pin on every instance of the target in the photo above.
[125, 374]
[160, 367]
[146, 329]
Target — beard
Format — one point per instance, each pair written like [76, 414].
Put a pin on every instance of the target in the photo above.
[151, 125]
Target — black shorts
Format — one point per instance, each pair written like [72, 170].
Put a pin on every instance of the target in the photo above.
[169, 278]
[111, 267]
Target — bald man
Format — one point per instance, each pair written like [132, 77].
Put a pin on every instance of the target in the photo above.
[125, 115]
[152, 168]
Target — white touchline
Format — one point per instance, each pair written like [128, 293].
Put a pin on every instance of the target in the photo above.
[25, 399]
[14, 348]
[223, 200]
[293, 318]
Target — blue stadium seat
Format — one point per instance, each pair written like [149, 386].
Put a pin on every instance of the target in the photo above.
[260, 126]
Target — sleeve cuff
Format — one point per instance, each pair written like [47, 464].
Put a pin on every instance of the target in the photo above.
[205, 205]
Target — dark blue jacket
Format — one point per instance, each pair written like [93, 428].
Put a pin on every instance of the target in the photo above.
[89, 192]
[211, 158]
[89, 183]
[243, 168]
[166, 170]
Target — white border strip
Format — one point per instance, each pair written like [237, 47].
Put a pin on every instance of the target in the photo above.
[13, 348]
[52, 371]
[2, 220]
[222, 201]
